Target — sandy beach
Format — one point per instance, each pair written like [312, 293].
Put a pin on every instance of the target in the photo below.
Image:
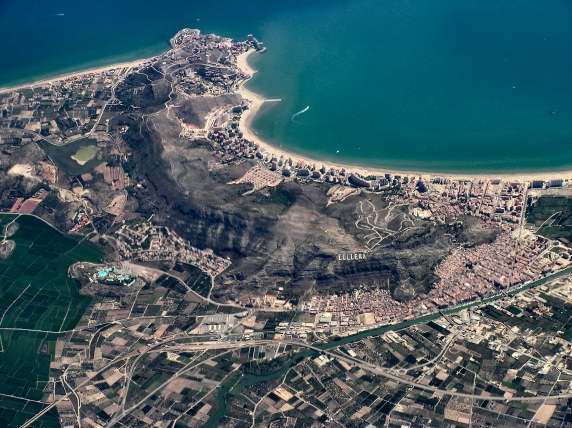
[73, 75]
[256, 101]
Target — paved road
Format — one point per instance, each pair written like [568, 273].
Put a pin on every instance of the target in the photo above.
[228, 346]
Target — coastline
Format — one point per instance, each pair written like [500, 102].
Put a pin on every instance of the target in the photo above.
[73, 75]
[256, 101]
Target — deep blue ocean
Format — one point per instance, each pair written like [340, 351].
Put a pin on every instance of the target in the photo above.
[442, 85]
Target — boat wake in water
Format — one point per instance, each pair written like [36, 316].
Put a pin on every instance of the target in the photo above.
[295, 115]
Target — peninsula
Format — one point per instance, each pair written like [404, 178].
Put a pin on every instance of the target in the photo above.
[195, 275]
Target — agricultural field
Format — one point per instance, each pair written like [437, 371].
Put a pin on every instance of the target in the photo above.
[39, 300]
[552, 215]
[196, 280]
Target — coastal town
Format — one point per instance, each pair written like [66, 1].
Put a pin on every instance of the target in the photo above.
[239, 285]
[28, 117]
[466, 274]
[150, 353]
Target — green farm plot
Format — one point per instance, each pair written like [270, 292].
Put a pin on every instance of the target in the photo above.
[195, 278]
[553, 214]
[201, 283]
[36, 293]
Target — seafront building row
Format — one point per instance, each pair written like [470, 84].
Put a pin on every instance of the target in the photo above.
[211, 70]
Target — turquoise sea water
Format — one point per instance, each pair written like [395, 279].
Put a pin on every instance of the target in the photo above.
[442, 85]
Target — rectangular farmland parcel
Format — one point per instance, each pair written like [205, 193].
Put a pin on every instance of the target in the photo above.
[36, 296]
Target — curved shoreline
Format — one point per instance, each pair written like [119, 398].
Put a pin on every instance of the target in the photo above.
[256, 101]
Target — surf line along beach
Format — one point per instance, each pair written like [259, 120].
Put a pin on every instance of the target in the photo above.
[256, 101]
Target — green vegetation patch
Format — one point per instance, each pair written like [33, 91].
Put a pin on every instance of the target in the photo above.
[251, 374]
[201, 283]
[220, 408]
[195, 278]
[554, 214]
[36, 294]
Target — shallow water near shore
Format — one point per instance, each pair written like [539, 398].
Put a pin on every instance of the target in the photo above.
[472, 86]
